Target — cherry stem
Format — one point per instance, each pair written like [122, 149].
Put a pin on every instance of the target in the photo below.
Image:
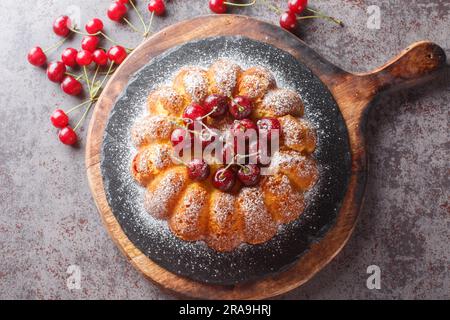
[84, 115]
[147, 30]
[131, 25]
[272, 7]
[321, 16]
[78, 106]
[240, 4]
[140, 16]
[56, 45]
[93, 80]
[104, 79]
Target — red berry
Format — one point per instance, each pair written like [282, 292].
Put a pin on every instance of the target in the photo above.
[157, 6]
[94, 26]
[117, 54]
[56, 71]
[198, 170]
[241, 107]
[100, 57]
[217, 6]
[123, 1]
[37, 57]
[288, 20]
[84, 58]
[297, 6]
[224, 179]
[71, 86]
[69, 57]
[117, 11]
[59, 118]
[61, 26]
[180, 135]
[89, 43]
[249, 174]
[68, 136]
[217, 103]
[268, 127]
[193, 113]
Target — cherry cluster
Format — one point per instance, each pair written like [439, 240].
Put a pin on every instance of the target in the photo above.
[217, 107]
[288, 19]
[90, 58]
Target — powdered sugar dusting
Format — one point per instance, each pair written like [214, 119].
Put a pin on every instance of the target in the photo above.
[280, 102]
[159, 197]
[196, 84]
[225, 74]
[152, 236]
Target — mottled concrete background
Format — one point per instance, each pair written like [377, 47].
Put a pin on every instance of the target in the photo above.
[48, 220]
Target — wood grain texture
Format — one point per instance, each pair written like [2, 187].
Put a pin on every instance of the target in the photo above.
[353, 93]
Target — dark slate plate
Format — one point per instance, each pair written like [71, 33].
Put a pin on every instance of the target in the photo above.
[248, 262]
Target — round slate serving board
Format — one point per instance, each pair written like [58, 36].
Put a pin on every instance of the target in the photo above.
[335, 102]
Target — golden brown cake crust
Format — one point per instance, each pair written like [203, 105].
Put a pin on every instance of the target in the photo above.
[196, 210]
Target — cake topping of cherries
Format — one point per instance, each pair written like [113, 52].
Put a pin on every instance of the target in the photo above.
[224, 179]
[198, 170]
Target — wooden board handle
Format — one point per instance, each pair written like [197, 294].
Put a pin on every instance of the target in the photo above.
[413, 66]
[354, 92]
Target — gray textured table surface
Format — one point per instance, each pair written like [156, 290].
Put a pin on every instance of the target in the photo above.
[48, 220]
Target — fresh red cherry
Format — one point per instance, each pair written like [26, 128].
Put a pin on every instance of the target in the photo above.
[68, 136]
[249, 174]
[217, 6]
[100, 57]
[241, 107]
[216, 105]
[123, 1]
[89, 43]
[193, 113]
[84, 58]
[224, 179]
[59, 118]
[94, 26]
[288, 20]
[71, 86]
[297, 6]
[69, 57]
[117, 54]
[117, 11]
[56, 71]
[180, 135]
[37, 57]
[157, 6]
[61, 26]
[268, 127]
[198, 170]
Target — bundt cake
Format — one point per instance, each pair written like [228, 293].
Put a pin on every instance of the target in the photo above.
[221, 199]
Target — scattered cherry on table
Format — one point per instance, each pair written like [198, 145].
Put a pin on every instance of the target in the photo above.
[157, 6]
[68, 136]
[37, 57]
[56, 71]
[59, 119]
[71, 86]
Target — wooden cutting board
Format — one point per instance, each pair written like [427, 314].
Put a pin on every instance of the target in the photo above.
[353, 94]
